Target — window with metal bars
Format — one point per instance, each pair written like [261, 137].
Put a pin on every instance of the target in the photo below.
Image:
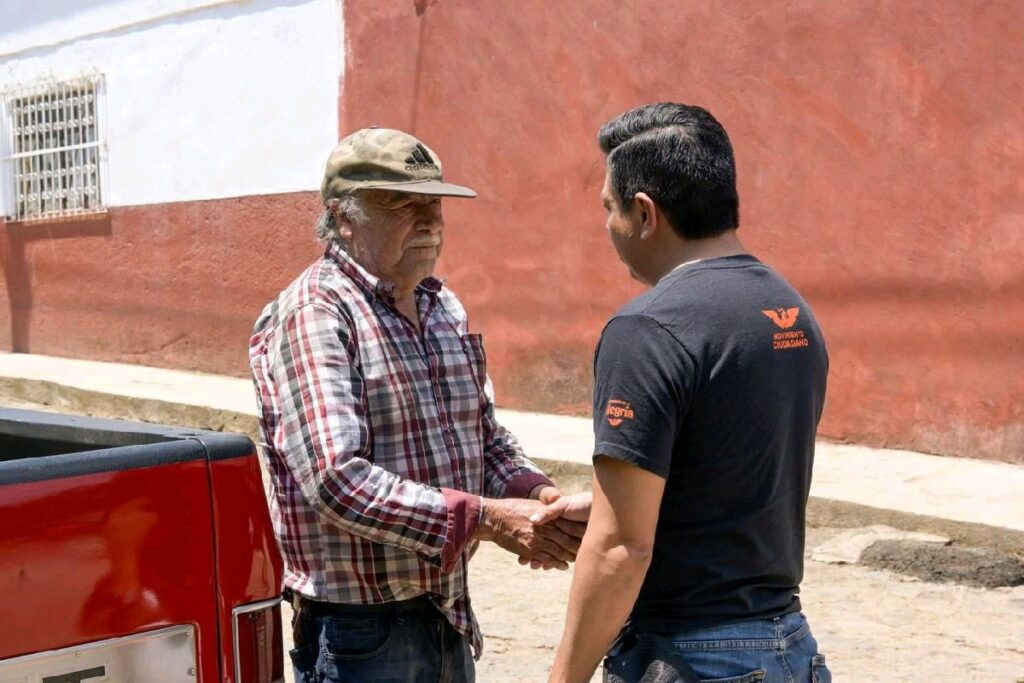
[54, 149]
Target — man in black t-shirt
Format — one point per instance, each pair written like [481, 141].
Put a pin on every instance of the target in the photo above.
[708, 392]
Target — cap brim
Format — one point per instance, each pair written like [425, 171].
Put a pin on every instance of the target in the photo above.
[435, 187]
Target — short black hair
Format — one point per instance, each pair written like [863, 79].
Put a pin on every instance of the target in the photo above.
[681, 157]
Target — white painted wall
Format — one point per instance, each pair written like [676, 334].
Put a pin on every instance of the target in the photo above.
[203, 99]
[46, 23]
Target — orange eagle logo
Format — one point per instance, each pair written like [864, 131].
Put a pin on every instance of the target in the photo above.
[617, 411]
[783, 317]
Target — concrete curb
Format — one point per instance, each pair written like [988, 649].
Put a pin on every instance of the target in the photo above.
[99, 404]
[571, 476]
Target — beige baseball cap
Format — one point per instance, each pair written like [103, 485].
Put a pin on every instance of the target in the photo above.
[389, 160]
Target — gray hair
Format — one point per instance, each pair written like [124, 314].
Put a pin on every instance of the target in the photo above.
[351, 206]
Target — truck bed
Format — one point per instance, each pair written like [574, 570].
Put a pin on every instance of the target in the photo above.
[110, 530]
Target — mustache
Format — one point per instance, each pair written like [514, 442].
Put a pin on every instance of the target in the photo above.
[429, 242]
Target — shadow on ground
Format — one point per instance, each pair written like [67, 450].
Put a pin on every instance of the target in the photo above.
[977, 567]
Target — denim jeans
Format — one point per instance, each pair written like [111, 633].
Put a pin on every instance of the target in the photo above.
[406, 642]
[780, 650]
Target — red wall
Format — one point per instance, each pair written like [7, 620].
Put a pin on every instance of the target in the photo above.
[881, 169]
[172, 285]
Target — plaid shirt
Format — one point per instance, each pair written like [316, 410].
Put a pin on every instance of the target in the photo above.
[379, 439]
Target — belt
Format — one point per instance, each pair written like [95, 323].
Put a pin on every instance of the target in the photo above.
[317, 608]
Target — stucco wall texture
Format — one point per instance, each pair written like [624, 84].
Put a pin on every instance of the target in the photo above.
[172, 285]
[881, 170]
[881, 167]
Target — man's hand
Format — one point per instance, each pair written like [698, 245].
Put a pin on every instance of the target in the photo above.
[575, 508]
[507, 523]
[568, 513]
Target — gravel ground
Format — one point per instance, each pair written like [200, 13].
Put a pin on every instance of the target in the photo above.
[872, 625]
[978, 567]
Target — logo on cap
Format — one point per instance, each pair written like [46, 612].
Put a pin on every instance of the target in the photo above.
[420, 160]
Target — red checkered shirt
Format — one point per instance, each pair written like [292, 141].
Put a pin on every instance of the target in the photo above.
[379, 439]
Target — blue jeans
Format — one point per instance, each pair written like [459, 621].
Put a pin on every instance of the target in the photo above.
[780, 650]
[396, 642]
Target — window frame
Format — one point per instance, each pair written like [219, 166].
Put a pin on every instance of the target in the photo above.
[53, 151]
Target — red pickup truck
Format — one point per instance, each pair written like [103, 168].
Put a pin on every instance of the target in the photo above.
[134, 552]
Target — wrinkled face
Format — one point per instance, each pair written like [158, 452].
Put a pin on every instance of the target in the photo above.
[621, 227]
[402, 237]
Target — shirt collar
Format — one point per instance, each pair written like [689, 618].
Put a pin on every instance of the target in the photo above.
[381, 289]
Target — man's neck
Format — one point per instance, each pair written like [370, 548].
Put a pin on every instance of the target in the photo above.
[685, 252]
[406, 305]
[403, 291]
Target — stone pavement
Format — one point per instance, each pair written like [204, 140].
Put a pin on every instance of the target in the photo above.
[873, 625]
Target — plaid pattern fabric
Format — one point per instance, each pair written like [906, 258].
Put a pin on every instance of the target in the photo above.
[363, 422]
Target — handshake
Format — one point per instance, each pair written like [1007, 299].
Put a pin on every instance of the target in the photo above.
[544, 533]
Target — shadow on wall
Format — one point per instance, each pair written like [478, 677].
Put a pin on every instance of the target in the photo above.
[15, 239]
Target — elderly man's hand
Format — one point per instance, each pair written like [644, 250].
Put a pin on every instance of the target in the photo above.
[507, 522]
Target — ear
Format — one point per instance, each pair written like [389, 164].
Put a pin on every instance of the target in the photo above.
[341, 221]
[647, 211]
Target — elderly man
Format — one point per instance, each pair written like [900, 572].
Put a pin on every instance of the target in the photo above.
[387, 463]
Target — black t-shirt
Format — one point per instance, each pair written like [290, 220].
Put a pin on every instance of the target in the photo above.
[715, 380]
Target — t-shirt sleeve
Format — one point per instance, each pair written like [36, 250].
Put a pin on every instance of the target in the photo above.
[643, 380]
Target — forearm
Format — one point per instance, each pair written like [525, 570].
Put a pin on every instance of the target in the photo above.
[370, 502]
[605, 585]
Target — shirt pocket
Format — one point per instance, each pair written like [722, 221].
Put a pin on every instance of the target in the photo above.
[474, 345]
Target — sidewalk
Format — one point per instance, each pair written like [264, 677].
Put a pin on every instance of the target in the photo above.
[853, 485]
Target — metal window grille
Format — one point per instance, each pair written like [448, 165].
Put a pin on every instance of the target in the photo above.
[54, 149]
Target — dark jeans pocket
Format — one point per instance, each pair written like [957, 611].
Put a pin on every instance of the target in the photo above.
[356, 638]
[819, 671]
